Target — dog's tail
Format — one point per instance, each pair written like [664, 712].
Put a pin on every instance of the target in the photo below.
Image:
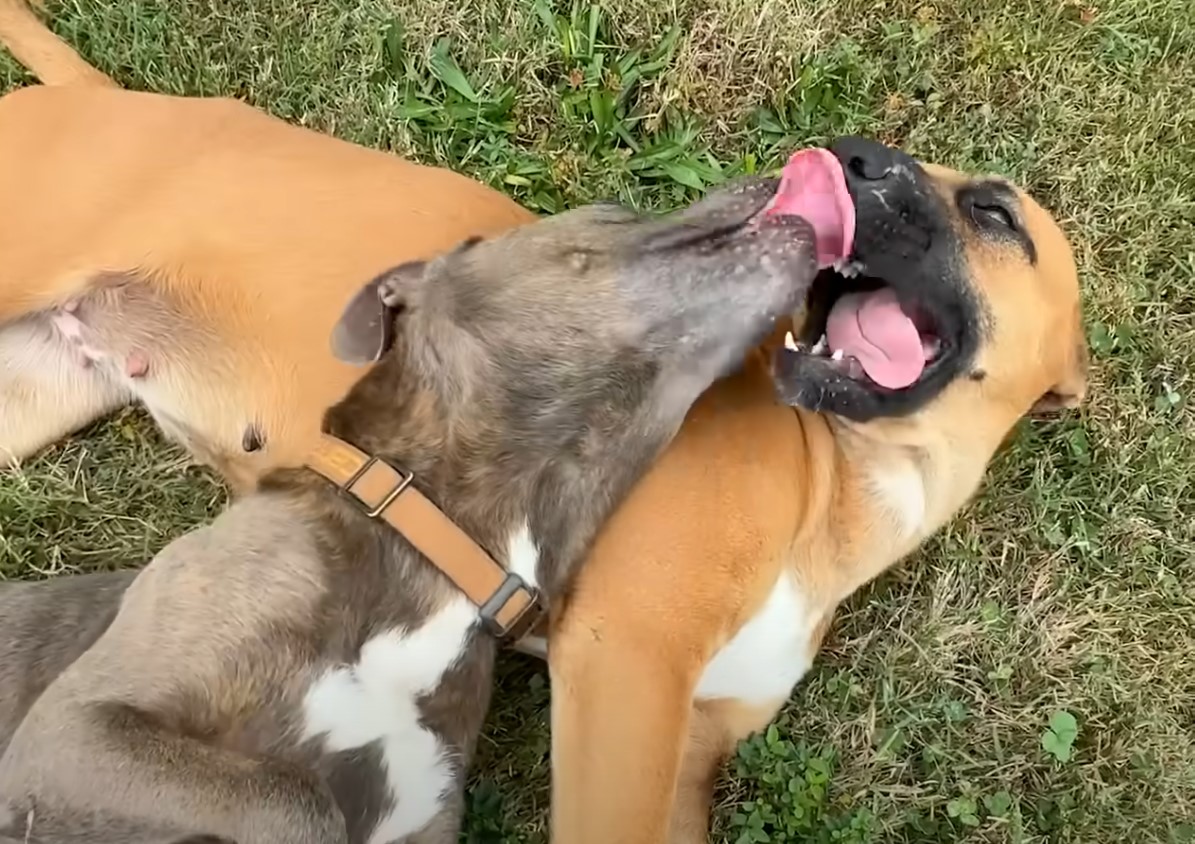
[51, 59]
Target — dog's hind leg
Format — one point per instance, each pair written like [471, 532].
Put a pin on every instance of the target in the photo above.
[47, 389]
[158, 785]
[46, 625]
[39, 49]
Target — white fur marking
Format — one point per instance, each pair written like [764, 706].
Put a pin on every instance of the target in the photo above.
[769, 654]
[522, 555]
[375, 700]
[901, 493]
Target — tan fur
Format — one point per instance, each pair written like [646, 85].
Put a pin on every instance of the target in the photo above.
[224, 250]
[697, 547]
[748, 489]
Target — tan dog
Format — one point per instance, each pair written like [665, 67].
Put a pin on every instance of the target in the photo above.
[707, 594]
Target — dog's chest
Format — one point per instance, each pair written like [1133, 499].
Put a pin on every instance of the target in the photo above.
[769, 654]
[371, 709]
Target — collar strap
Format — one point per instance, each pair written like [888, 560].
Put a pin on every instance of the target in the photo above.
[508, 606]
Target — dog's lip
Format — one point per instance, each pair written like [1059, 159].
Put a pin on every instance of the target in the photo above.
[850, 367]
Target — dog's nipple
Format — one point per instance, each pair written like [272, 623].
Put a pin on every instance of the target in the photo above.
[136, 364]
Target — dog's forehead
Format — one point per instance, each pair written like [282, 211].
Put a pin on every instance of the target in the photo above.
[572, 250]
[538, 278]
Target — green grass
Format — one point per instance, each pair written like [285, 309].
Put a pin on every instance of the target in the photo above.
[939, 710]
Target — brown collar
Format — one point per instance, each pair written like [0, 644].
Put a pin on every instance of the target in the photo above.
[508, 606]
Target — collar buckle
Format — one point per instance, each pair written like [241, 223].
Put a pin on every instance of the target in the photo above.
[525, 618]
[404, 480]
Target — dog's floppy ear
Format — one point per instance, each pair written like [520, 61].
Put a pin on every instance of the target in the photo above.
[1069, 392]
[365, 331]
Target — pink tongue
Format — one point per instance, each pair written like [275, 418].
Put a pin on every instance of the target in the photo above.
[813, 187]
[872, 328]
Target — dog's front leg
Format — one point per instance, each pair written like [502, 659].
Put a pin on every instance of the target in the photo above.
[620, 718]
[108, 773]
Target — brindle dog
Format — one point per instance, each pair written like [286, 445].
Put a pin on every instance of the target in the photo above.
[297, 672]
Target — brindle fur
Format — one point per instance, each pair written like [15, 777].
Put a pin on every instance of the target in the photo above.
[533, 378]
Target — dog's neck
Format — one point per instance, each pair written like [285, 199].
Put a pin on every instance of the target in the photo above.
[906, 481]
[393, 415]
[529, 498]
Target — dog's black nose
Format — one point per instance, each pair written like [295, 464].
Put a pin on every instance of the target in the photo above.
[865, 159]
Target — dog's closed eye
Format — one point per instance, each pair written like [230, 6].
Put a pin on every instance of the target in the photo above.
[992, 209]
[992, 215]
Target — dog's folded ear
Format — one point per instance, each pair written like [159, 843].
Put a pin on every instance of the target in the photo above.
[1055, 401]
[365, 330]
[1069, 392]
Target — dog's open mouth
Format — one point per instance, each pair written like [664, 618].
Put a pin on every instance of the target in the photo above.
[855, 324]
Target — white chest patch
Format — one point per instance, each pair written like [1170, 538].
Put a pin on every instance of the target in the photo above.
[769, 654]
[375, 700]
[900, 490]
[522, 555]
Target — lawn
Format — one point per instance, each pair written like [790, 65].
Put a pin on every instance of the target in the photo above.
[1029, 677]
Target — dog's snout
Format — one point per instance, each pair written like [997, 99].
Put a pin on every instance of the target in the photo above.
[864, 159]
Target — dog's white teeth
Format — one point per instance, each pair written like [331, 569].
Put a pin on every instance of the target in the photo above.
[847, 269]
[837, 355]
[790, 342]
[820, 346]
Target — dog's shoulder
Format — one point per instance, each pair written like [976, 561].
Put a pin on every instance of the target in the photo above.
[257, 558]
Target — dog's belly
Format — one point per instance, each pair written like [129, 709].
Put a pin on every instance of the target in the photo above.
[46, 391]
[769, 654]
[390, 773]
[126, 336]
